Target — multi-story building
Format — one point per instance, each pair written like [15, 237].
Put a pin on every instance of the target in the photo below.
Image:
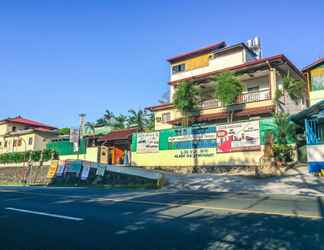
[314, 74]
[19, 134]
[213, 140]
[260, 77]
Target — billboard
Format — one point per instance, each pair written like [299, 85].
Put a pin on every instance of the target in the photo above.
[148, 142]
[235, 137]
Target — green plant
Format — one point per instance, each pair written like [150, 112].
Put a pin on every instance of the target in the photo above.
[64, 131]
[17, 157]
[283, 152]
[285, 128]
[186, 99]
[227, 88]
[137, 119]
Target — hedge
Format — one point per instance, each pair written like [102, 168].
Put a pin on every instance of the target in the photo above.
[17, 157]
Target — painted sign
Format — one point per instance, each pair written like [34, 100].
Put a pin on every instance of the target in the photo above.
[318, 78]
[73, 166]
[197, 137]
[194, 153]
[52, 170]
[243, 136]
[148, 142]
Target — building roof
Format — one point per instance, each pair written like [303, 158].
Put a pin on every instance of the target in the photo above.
[246, 65]
[313, 65]
[310, 112]
[224, 115]
[197, 52]
[120, 134]
[21, 120]
[162, 106]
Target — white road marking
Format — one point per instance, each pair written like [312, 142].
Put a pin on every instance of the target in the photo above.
[44, 214]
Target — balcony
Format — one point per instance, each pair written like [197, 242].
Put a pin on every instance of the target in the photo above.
[244, 98]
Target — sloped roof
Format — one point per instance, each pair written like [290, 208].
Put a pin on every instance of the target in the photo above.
[21, 120]
[121, 134]
[314, 64]
[197, 52]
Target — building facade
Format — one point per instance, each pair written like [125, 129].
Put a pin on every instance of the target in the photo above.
[212, 140]
[19, 134]
[314, 74]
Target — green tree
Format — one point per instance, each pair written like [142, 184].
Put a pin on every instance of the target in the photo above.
[89, 128]
[150, 121]
[227, 88]
[294, 88]
[64, 131]
[137, 119]
[187, 99]
[285, 128]
[119, 122]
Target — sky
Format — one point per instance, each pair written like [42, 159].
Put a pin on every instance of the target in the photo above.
[65, 57]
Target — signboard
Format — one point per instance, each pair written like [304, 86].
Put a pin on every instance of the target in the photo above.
[200, 137]
[148, 142]
[235, 137]
[52, 170]
[74, 138]
[73, 166]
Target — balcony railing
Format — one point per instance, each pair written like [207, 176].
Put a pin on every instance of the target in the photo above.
[244, 98]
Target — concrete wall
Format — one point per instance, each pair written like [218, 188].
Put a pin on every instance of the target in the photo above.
[91, 155]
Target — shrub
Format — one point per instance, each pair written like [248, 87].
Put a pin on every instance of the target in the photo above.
[17, 157]
[283, 152]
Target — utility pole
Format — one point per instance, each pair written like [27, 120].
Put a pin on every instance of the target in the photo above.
[81, 129]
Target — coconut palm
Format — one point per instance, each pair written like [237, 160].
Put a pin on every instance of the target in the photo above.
[119, 121]
[137, 119]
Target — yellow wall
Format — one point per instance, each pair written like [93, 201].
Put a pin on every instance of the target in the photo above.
[196, 62]
[316, 96]
[91, 155]
[167, 158]
[24, 145]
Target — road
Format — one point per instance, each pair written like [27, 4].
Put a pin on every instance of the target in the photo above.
[87, 218]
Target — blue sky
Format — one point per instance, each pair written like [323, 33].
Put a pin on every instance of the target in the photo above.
[59, 58]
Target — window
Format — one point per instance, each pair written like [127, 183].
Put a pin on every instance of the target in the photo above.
[178, 68]
[19, 142]
[14, 142]
[166, 117]
[14, 129]
[30, 140]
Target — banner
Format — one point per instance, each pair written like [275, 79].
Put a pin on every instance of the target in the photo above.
[61, 168]
[148, 142]
[101, 168]
[235, 137]
[52, 170]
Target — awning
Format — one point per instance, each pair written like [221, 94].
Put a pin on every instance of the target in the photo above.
[312, 111]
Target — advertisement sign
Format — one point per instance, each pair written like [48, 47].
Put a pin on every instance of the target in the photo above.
[235, 137]
[52, 170]
[148, 142]
[200, 137]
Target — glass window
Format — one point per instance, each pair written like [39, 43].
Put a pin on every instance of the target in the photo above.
[14, 129]
[30, 140]
[166, 117]
[253, 88]
[178, 68]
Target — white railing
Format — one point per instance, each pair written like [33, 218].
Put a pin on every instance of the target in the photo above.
[244, 98]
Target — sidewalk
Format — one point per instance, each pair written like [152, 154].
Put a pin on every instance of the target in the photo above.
[294, 182]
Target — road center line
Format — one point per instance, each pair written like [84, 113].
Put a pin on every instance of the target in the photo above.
[44, 214]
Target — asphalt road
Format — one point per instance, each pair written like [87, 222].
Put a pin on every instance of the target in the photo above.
[82, 218]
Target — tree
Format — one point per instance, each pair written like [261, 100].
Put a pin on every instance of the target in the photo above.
[285, 128]
[227, 88]
[150, 121]
[89, 128]
[64, 131]
[186, 99]
[294, 88]
[137, 119]
[119, 122]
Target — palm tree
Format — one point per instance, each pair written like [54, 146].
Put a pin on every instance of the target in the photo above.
[227, 88]
[89, 128]
[119, 122]
[285, 128]
[186, 99]
[137, 119]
